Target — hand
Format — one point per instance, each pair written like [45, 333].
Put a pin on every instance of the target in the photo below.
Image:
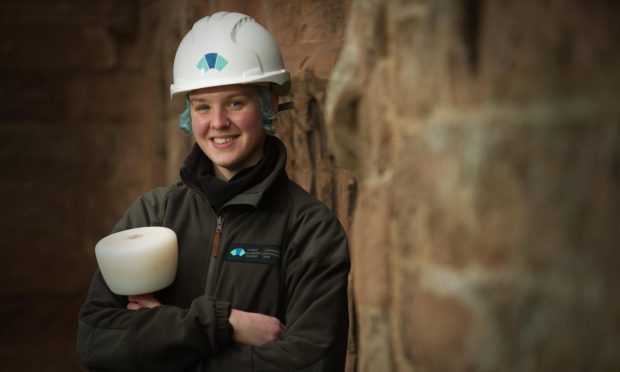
[140, 301]
[253, 328]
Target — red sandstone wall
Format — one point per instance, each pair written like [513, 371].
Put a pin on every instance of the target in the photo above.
[79, 124]
[485, 136]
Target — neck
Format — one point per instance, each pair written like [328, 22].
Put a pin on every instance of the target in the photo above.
[226, 174]
[223, 174]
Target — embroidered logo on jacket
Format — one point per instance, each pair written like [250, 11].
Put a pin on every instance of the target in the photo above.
[254, 253]
[238, 252]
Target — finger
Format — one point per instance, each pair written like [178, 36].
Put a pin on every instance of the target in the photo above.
[133, 306]
[145, 300]
[140, 298]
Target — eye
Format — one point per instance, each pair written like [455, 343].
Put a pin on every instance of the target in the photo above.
[236, 103]
[201, 107]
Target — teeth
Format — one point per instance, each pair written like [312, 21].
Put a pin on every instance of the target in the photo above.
[221, 141]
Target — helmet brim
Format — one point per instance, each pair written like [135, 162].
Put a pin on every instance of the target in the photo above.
[280, 79]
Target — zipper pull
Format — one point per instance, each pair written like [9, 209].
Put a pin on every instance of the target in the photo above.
[218, 235]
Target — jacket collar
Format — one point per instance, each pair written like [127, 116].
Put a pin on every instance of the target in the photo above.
[251, 196]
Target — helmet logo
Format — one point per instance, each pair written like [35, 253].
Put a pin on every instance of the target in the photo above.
[211, 61]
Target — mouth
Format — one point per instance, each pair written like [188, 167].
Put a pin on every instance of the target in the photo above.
[223, 140]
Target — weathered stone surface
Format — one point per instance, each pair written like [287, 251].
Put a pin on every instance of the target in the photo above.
[484, 136]
[486, 141]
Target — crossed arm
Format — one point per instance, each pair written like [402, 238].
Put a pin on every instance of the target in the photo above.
[248, 328]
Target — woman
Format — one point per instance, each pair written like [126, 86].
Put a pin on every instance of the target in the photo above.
[262, 273]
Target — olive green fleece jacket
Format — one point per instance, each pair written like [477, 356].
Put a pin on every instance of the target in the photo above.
[281, 253]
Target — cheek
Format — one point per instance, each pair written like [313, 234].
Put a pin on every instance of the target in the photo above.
[251, 123]
[198, 125]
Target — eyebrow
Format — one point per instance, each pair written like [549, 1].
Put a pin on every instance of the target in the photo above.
[228, 97]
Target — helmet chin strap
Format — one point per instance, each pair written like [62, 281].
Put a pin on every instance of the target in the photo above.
[286, 106]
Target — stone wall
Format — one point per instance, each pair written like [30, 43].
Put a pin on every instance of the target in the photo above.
[80, 132]
[485, 137]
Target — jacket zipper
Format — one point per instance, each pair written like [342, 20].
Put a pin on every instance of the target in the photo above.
[218, 235]
[209, 285]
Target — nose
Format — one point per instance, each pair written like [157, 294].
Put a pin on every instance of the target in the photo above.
[219, 119]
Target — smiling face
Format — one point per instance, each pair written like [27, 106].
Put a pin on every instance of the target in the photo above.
[227, 125]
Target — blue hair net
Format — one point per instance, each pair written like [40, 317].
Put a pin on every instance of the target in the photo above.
[185, 119]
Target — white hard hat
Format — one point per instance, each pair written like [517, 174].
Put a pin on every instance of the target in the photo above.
[224, 49]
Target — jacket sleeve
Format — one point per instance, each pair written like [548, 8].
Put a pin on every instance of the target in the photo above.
[166, 338]
[316, 275]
